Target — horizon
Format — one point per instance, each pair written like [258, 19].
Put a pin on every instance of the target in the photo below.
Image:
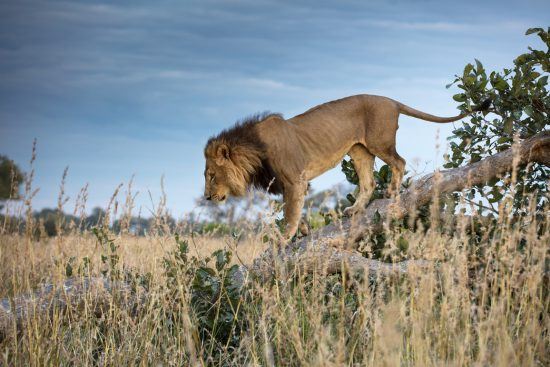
[113, 91]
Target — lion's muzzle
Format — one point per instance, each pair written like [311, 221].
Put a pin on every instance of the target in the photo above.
[215, 197]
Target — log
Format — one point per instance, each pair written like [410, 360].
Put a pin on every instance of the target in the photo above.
[533, 150]
[329, 242]
[97, 292]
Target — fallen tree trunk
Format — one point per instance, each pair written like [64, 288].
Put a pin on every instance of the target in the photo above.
[325, 249]
[96, 292]
[329, 242]
[533, 150]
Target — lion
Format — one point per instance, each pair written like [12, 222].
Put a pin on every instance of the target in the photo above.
[280, 156]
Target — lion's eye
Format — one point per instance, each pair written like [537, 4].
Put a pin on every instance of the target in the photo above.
[212, 178]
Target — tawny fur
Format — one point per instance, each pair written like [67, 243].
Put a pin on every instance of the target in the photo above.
[281, 156]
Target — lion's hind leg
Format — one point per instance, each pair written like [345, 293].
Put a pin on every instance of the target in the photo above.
[363, 161]
[397, 165]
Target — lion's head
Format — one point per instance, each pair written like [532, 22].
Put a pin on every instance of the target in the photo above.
[228, 169]
[235, 160]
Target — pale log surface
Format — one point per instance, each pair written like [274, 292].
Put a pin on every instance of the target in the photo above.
[325, 246]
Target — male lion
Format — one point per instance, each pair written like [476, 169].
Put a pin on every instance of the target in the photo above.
[281, 156]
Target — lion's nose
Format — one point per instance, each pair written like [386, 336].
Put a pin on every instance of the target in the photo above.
[209, 197]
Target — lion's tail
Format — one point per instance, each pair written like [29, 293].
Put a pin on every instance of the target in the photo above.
[409, 111]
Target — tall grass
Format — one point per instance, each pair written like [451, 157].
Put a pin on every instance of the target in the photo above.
[484, 301]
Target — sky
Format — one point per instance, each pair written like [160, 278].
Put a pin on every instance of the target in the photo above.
[135, 88]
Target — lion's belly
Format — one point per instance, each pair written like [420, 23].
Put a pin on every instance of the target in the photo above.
[325, 162]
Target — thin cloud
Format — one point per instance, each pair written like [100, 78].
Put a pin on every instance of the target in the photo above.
[423, 26]
[448, 26]
[264, 84]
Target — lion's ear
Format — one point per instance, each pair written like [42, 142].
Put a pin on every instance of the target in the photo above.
[222, 154]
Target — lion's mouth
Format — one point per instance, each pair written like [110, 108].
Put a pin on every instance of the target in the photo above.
[218, 198]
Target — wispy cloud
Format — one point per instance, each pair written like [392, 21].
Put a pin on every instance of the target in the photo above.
[444, 26]
[424, 26]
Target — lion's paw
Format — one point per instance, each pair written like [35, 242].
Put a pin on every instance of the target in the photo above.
[352, 210]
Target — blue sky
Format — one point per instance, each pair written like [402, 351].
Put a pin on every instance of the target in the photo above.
[113, 89]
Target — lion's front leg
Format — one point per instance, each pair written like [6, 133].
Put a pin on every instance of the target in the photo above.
[293, 198]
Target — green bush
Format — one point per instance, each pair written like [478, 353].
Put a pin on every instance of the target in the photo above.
[520, 107]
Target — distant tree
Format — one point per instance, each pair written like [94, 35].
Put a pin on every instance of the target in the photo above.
[137, 226]
[11, 179]
[218, 212]
[94, 218]
[49, 220]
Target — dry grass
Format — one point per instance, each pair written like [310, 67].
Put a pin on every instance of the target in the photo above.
[485, 302]
[31, 262]
[481, 307]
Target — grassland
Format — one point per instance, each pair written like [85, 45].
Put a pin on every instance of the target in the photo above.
[483, 302]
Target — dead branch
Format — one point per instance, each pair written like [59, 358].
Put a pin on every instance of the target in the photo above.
[327, 245]
[533, 150]
[96, 292]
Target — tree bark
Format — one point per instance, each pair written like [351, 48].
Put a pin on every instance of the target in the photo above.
[328, 244]
[96, 292]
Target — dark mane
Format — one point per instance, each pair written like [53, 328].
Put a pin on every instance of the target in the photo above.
[265, 179]
[243, 132]
[244, 135]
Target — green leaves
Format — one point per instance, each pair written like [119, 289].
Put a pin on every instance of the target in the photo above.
[349, 171]
[542, 81]
[528, 110]
[110, 257]
[215, 293]
[508, 125]
[461, 97]
[520, 106]
[222, 257]
[467, 69]
[479, 67]
[543, 35]
[533, 30]
[499, 83]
